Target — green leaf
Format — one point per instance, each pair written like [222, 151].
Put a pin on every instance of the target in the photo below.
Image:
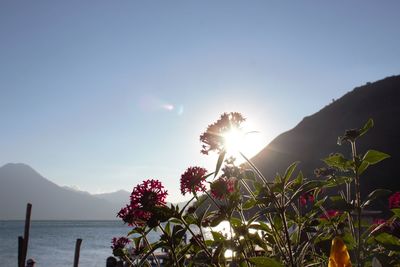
[175, 221]
[265, 262]
[178, 231]
[167, 229]
[249, 204]
[338, 203]
[216, 219]
[154, 247]
[236, 222]
[217, 236]
[219, 163]
[366, 127]
[249, 175]
[289, 171]
[374, 156]
[299, 179]
[278, 179]
[335, 181]
[363, 166]
[374, 195]
[396, 212]
[338, 161]
[217, 253]
[388, 241]
[349, 241]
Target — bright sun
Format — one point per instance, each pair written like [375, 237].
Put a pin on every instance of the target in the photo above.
[236, 141]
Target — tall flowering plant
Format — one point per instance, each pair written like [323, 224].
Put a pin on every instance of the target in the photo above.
[286, 220]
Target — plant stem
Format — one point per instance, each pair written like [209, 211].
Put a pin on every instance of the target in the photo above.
[358, 201]
[255, 169]
[149, 245]
[172, 246]
[248, 188]
[195, 238]
[277, 237]
[277, 206]
[283, 214]
[128, 260]
[213, 200]
[261, 176]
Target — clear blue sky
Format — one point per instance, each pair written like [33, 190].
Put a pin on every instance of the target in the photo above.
[103, 94]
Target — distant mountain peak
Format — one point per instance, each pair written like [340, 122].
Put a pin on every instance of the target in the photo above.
[21, 169]
[13, 165]
[21, 184]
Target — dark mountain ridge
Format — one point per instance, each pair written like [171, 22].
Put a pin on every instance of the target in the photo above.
[315, 137]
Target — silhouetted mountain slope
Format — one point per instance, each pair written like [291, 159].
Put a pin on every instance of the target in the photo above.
[20, 184]
[315, 136]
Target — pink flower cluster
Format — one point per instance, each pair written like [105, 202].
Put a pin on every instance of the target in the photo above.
[394, 200]
[144, 197]
[193, 180]
[223, 187]
[306, 197]
[119, 243]
[330, 214]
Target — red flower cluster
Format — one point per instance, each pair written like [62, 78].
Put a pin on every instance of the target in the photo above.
[213, 138]
[119, 243]
[329, 214]
[394, 201]
[144, 198]
[223, 187]
[306, 197]
[193, 180]
[131, 215]
[148, 194]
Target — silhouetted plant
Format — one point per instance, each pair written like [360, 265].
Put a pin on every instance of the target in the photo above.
[287, 220]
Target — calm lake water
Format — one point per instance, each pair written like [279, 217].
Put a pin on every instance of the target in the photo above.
[52, 243]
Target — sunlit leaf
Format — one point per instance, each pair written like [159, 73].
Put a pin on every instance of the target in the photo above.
[388, 241]
[374, 156]
[396, 212]
[289, 171]
[363, 166]
[219, 162]
[265, 262]
[236, 222]
[338, 161]
[249, 204]
[217, 236]
[368, 125]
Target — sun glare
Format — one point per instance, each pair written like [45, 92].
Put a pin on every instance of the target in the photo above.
[234, 140]
[237, 140]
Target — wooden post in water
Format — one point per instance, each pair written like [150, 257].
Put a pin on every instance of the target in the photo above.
[26, 234]
[20, 245]
[77, 252]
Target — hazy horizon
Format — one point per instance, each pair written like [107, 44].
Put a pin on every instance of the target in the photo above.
[102, 96]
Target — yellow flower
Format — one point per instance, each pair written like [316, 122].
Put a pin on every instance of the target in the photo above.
[339, 255]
